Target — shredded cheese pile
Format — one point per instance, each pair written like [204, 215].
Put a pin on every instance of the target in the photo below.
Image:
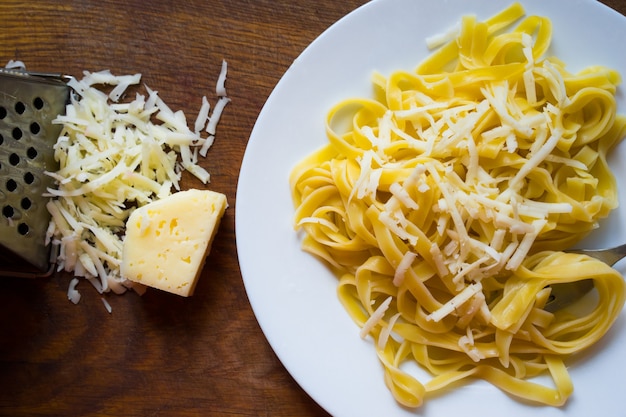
[115, 156]
[444, 206]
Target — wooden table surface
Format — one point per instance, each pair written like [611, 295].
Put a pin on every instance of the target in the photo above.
[158, 354]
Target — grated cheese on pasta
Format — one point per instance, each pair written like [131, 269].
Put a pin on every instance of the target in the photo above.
[376, 317]
[449, 197]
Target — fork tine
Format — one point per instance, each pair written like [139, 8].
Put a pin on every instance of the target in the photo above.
[609, 256]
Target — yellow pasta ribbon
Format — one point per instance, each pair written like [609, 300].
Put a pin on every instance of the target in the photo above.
[444, 204]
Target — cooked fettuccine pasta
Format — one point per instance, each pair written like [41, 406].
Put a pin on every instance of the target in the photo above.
[444, 206]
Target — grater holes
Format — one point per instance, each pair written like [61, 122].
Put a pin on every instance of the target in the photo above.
[23, 229]
[29, 178]
[17, 133]
[14, 159]
[35, 128]
[38, 103]
[1, 139]
[8, 212]
[31, 153]
[11, 185]
[3, 112]
[26, 203]
[20, 107]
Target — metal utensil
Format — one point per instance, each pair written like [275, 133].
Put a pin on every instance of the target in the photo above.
[565, 294]
[28, 104]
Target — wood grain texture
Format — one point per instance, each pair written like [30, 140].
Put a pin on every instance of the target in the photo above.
[159, 354]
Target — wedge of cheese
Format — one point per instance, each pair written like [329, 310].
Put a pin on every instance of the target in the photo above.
[168, 240]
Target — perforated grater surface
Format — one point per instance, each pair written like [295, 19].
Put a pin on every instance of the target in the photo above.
[28, 104]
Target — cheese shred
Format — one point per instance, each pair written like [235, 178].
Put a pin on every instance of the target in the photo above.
[117, 152]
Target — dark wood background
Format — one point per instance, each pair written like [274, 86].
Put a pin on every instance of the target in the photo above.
[159, 354]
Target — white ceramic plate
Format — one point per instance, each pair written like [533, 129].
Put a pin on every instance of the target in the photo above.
[293, 295]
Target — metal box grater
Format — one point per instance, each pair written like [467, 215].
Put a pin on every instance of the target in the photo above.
[28, 104]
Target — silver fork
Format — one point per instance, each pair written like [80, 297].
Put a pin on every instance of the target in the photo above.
[565, 294]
